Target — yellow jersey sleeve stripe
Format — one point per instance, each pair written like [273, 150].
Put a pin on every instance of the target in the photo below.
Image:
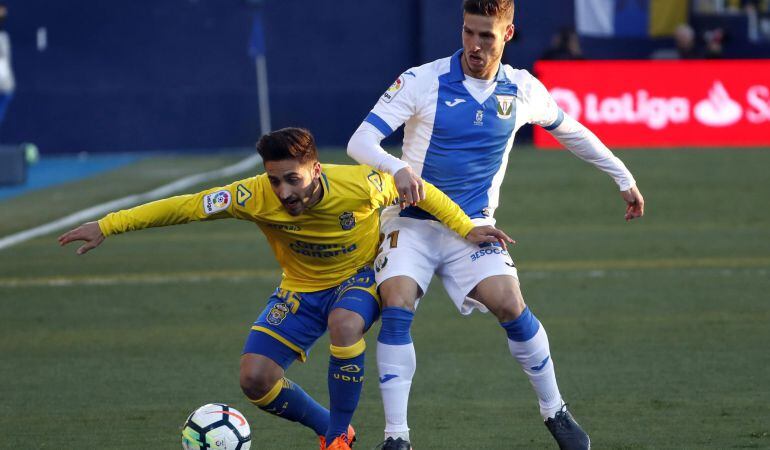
[348, 352]
[301, 353]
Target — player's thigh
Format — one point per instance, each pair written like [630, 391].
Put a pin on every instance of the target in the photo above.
[288, 327]
[409, 249]
[501, 294]
[468, 265]
[354, 308]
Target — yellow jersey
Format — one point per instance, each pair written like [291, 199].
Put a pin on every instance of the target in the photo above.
[318, 249]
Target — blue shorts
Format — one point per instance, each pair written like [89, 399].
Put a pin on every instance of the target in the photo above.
[293, 321]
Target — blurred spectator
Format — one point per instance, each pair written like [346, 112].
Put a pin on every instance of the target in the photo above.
[6, 74]
[714, 40]
[565, 45]
[686, 45]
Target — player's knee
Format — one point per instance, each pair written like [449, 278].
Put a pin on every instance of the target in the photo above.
[256, 383]
[506, 313]
[345, 328]
[508, 306]
[399, 292]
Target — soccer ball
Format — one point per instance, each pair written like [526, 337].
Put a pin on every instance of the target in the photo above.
[216, 426]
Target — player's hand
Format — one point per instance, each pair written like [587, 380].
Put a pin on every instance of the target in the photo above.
[488, 233]
[88, 232]
[634, 203]
[411, 189]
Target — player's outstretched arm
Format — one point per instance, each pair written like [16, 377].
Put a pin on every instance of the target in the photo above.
[88, 232]
[488, 233]
[634, 203]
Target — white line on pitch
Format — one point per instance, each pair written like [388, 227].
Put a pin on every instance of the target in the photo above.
[274, 274]
[131, 200]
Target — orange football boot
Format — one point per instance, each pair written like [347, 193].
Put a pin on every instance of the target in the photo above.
[350, 437]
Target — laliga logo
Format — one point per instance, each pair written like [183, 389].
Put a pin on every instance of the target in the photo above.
[718, 109]
[655, 112]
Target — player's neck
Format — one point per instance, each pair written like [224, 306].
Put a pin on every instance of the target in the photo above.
[317, 195]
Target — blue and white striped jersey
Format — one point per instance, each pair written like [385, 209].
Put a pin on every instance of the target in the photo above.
[456, 140]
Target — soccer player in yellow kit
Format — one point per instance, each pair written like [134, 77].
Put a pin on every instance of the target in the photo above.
[323, 226]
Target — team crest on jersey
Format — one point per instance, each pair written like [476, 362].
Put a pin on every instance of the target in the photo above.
[479, 118]
[347, 220]
[277, 313]
[504, 106]
[375, 179]
[242, 194]
[394, 89]
[380, 263]
[216, 201]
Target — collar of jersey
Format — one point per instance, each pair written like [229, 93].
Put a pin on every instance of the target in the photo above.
[456, 70]
[326, 194]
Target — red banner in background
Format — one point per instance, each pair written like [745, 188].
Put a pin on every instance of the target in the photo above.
[663, 103]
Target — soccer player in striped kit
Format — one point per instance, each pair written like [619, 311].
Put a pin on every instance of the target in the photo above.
[461, 114]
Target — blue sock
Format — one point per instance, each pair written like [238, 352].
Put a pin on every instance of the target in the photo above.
[396, 323]
[346, 379]
[289, 401]
[523, 328]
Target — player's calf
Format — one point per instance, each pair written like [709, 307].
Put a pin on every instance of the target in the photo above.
[263, 384]
[346, 373]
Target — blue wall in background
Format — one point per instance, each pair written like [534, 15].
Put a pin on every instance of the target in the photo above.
[176, 74]
[123, 75]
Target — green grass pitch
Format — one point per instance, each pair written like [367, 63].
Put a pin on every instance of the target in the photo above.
[659, 328]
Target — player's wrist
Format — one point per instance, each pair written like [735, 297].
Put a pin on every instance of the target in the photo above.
[393, 165]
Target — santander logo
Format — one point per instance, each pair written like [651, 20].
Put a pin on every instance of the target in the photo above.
[717, 109]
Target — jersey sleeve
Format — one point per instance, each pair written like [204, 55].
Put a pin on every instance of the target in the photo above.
[543, 109]
[447, 211]
[211, 204]
[397, 104]
[384, 193]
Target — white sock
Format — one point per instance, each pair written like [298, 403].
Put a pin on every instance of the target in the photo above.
[396, 365]
[532, 355]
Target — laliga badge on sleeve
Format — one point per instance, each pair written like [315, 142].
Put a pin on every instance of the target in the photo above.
[216, 202]
[394, 89]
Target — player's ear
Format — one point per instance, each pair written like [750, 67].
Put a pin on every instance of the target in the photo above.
[316, 169]
[509, 30]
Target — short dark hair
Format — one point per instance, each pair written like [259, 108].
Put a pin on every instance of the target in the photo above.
[288, 143]
[495, 8]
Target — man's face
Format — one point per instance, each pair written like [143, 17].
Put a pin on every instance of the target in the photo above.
[294, 183]
[484, 38]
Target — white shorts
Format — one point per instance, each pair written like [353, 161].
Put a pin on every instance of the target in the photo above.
[420, 248]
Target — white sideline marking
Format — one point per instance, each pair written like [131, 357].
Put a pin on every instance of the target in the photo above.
[141, 278]
[131, 200]
[239, 276]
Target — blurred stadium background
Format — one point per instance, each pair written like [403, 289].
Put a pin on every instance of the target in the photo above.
[659, 327]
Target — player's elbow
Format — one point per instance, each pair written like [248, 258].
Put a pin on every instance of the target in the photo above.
[353, 144]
